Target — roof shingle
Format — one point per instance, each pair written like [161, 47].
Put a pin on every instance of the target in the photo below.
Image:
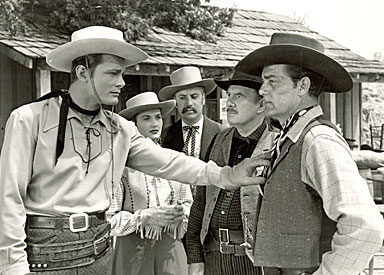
[250, 30]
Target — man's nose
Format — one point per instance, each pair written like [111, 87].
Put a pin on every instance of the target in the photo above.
[230, 102]
[189, 100]
[263, 90]
[120, 83]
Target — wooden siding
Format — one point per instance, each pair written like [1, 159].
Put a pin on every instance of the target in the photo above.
[346, 111]
[16, 88]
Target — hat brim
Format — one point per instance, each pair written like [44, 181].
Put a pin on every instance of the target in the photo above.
[165, 107]
[224, 84]
[61, 58]
[338, 78]
[169, 91]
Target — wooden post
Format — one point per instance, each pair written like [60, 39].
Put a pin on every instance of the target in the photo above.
[356, 112]
[348, 117]
[332, 108]
[340, 109]
[43, 82]
[149, 83]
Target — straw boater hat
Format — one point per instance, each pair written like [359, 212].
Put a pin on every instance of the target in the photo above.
[241, 79]
[146, 101]
[305, 52]
[186, 77]
[94, 40]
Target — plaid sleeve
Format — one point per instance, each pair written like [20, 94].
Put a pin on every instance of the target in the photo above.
[194, 248]
[330, 169]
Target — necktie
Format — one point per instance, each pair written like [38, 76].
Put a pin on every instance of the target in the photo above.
[191, 137]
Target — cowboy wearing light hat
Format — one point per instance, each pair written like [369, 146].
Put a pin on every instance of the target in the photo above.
[64, 154]
[317, 215]
[193, 133]
[161, 205]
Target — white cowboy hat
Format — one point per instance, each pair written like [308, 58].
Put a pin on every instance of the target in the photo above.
[186, 77]
[94, 40]
[146, 101]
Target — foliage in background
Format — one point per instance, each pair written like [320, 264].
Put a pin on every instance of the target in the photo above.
[133, 17]
[10, 17]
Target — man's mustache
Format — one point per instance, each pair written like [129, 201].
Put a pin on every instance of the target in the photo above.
[188, 109]
[231, 110]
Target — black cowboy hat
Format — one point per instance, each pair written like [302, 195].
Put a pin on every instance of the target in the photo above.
[241, 79]
[299, 50]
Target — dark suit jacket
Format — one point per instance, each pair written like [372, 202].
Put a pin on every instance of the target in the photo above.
[172, 136]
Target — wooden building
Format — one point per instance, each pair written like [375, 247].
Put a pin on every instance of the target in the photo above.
[24, 74]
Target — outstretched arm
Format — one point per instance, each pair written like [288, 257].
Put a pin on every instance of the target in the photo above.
[145, 156]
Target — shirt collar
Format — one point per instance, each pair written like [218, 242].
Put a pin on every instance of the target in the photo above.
[199, 123]
[53, 113]
[255, 135]
[296, 130]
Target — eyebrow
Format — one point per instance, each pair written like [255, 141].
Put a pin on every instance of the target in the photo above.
[115, 70]
[237, 93]
[185, 94]
[269, 75]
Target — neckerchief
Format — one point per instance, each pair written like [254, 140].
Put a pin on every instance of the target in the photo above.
[65, 104]
[283, 132]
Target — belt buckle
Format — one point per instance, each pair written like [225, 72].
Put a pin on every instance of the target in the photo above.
[99, 241]
[223, 238]
[72, 219]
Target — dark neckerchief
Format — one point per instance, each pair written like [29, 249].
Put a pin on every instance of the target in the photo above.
[245, 144]
[76, 107]
[65, 105]
[284, 130]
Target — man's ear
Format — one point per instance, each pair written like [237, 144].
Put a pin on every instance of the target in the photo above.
[304, 85]
[203, 98]
[81, 73]
[261, 106]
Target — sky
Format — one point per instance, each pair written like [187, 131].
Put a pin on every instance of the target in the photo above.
[355, 24]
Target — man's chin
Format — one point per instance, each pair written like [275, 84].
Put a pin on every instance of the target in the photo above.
[231, 121]
[190, 116]
[111, 102]
[154, 137]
